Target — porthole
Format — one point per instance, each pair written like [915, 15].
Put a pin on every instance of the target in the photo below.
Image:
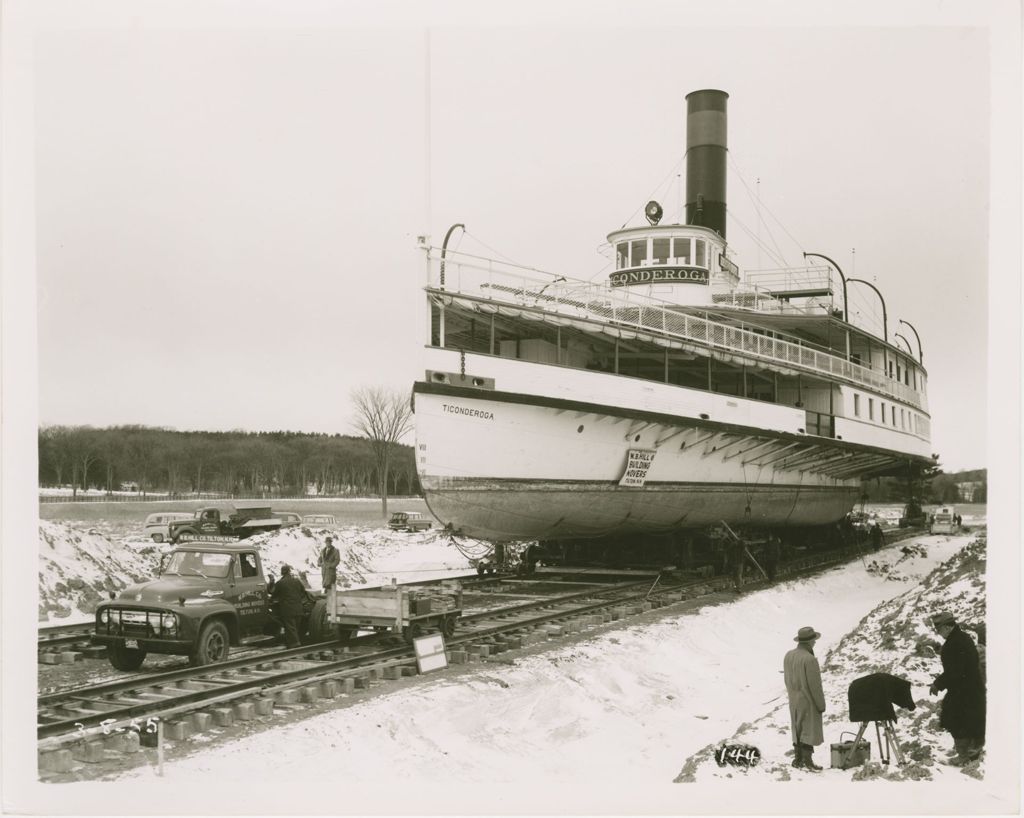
[579, 428]
[704, 416]
[439, 376]
[478, 381]
[636, 439]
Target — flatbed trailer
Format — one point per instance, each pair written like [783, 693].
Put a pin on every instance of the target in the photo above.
[401, 609]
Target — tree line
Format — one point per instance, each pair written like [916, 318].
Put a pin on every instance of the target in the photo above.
[154, 459]
[935, 487]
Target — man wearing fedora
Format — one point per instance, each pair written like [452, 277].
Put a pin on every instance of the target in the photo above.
[806, 698]
[963, 708]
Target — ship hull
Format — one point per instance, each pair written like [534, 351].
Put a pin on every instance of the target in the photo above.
[514, 467]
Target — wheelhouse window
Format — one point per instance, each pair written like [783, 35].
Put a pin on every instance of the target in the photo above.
[660, 250]
[638, 248]
[622, 255]
[681, 249]
[700, 256]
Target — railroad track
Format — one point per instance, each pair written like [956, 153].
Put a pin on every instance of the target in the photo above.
[254, 683]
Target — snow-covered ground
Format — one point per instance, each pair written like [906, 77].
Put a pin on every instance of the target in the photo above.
[602, 725]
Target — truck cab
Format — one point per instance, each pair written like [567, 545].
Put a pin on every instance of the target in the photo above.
[943, 521]
[246, 520]
[208, 597]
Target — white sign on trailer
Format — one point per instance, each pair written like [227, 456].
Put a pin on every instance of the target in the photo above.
[430, 653]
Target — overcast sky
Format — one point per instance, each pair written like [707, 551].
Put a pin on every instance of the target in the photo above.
[227, 217]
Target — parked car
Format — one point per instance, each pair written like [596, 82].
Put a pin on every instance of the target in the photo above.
[288, 518]
[156, 524]
[320, 521]
[408, 521]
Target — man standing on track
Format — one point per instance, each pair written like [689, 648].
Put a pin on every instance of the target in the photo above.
[329, 559]
[806, 698]
[289, 596]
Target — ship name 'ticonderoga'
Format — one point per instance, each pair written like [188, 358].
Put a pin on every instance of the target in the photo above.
[464, 410]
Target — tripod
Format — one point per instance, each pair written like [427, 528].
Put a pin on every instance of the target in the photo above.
[891, 744]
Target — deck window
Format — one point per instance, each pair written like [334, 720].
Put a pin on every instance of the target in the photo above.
[660, 251]
[883, 412]
[682, 249]
[893, 415]
[700, 259]
[871, 408]
[622, 255]
[856, 405]
[639, 249]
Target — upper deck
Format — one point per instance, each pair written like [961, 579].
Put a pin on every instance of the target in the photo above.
[742, 323]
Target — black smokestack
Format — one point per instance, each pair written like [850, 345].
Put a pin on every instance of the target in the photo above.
[705, 159]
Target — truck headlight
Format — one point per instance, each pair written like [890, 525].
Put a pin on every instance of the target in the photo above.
[168, 621]
[104, 616]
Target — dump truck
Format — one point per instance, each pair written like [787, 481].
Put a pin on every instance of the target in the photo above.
[246, 520]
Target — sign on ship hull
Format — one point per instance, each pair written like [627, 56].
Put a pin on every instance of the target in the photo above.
[503, 470]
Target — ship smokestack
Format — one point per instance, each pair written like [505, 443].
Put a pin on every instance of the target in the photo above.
[705, 159]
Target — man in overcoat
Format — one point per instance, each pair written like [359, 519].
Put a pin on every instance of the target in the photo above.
[806, 698]
[290, 597]
[329, 559]
[963, 708]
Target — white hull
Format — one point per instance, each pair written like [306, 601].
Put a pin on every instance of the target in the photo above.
[510, 467]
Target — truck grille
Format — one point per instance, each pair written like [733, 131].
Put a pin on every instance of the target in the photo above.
[136, 624]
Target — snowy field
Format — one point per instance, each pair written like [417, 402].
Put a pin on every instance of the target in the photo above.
[608, 723]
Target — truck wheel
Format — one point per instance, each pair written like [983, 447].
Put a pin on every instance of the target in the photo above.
[447, 625]
[213, 645]
[411, 632]
[319, 629]
[158, 538]
[123, 658]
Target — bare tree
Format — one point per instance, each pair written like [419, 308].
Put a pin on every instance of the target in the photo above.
[384, 416]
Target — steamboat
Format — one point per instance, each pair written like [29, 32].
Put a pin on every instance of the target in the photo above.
[676, 395]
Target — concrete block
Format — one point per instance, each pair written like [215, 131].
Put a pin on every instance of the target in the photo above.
[574, 626]
[89, 751]
[56, 761]
[329, 688]
[176, 730]
[200, 721]
[408, 670]
[132, 742]
[309, 693]
[391, 673]
[457, 657]
[485, 650]
[362, 681]
[49, 658]
[376, 674]
[222, 716]
[554, 631]
[118, 741]
[514, 643]
[289, 696]
[69, 657]
[264, 706]
[243, 711]
[94, 652]
[615, 614]
[347, 685]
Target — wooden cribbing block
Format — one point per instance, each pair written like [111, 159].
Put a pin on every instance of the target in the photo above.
[243, 711]
[200, 721]
[57, 761]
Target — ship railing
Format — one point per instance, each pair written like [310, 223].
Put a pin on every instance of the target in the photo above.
[527, 287]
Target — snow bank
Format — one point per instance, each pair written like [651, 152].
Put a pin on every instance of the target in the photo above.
[896, 637]
[79, 569]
